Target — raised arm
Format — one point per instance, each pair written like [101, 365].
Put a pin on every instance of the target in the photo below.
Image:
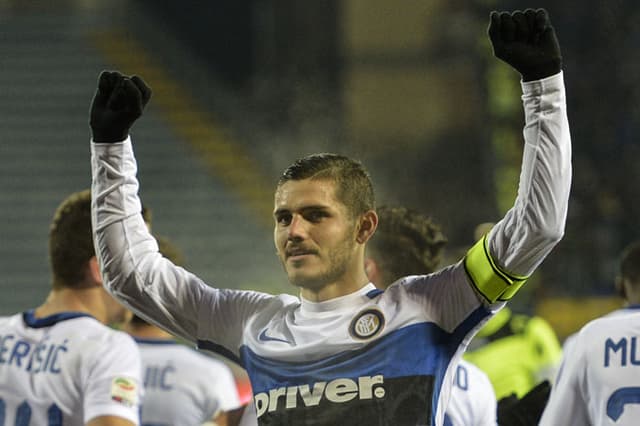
[500, 263]
[132, 267]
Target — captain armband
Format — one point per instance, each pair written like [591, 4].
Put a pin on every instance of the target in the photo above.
[494, 284]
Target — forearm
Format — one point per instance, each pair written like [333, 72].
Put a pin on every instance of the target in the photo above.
[133, 269]
[528, 232]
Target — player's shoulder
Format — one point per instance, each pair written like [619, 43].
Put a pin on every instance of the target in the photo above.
[202, 365]
[10, 321]
[172, 349]
[206, 361]
[620, 317]
[621, 322]
[442, 276]
[90, 329]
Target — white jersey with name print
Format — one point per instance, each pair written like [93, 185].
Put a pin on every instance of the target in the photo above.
[182, 386]
[367, 358]
[66, 369]
[599, 380]
[473, 401]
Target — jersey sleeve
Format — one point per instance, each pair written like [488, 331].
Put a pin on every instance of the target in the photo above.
[499, 264]
[112, 383]
[137, 274]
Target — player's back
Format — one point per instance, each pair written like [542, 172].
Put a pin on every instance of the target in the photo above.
[182, 386]
[600, 379]
[64, 370]
[472, 401]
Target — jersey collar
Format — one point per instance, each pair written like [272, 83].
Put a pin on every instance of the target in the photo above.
[29, 318]
[356, 298]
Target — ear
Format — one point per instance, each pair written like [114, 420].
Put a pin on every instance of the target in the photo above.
[367, 226]
[620, 287]
[94, 271]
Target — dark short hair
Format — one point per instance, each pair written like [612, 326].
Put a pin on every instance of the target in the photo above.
[630, 263]
[71, 240]
[405, 243]
[353, 184]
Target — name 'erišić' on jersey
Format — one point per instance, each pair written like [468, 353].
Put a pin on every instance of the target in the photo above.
[42, 357]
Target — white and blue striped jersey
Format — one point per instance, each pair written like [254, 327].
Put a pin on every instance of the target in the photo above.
[370, 357]
[473, 401]
[66, 369]
[182, 386]
[599, 379]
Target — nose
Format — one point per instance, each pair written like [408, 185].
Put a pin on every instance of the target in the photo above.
[297, 230]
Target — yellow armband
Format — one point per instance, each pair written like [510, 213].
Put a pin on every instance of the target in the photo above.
[492, 283]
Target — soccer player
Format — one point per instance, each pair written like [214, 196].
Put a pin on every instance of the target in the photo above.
[343, 350]
[407, 243]
[599, 380]
[59, 363]
[182, 386]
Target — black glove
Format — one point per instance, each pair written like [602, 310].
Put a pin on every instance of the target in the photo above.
[526, 41]
[525, 411]
[118, 102]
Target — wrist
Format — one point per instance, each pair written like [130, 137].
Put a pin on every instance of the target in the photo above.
[542, 71]
[109, 137]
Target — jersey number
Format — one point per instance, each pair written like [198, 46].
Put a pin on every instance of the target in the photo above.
[23, 414]
[619, 398]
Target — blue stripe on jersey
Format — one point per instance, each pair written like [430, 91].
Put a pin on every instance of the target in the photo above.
[30, 319]
[373, 293]
[419, 349]
[459, 334]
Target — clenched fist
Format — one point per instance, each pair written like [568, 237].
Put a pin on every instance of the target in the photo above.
[117, 104]
[526, 41]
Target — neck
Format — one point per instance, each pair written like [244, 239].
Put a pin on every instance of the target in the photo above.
[347, 284]
[87, 300]
[146, 331]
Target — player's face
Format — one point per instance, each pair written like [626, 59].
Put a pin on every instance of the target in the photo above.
[314, 233]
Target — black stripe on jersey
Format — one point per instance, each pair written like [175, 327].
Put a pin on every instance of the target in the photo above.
[404, 402]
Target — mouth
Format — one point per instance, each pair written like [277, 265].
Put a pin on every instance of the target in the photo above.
[298, 253]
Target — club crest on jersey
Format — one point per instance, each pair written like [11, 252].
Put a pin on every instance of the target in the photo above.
[367, 324]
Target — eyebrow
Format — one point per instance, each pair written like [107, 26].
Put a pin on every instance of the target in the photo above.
[303, 209]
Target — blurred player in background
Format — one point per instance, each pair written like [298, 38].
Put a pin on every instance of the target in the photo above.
[599, 381]
[343, 351]
[59, 363]
[406, 243]
[182, 386]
